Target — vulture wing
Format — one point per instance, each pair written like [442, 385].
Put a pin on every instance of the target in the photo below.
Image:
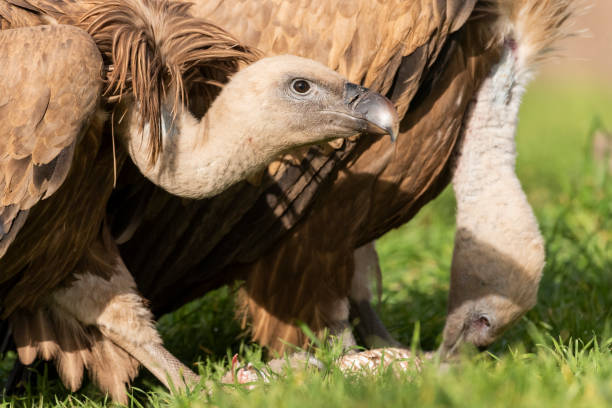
[46, 100]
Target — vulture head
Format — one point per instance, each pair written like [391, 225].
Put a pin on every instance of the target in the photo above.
[482, 305]
[290, 101]
[265, 110]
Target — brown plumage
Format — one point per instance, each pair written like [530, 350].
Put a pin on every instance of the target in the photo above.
[292, 240]
[65, 289]
[44, 122]
[41, 252]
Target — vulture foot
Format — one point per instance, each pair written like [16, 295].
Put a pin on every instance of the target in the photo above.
[18, 376]
[98, 322]
[370, 329]
[160, 362]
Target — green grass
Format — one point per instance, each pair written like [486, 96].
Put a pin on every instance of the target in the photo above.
[558, 355]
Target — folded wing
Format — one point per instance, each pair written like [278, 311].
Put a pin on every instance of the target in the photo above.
[50, 82]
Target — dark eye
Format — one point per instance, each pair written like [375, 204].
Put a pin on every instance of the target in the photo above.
[301, 86]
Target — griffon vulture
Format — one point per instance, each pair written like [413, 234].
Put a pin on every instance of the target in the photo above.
[292, 240]
[63, 286]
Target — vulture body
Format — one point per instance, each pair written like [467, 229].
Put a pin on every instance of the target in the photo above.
[293, 239]
[64, 288]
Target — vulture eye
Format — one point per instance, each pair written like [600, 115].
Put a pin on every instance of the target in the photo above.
[300, 86]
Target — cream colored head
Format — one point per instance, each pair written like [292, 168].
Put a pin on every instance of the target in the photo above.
[288, 101]
[268, 108]
[494, 282]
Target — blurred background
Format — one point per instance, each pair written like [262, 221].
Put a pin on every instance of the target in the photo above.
[589, 54]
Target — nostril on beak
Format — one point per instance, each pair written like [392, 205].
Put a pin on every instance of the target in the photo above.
[482, 333]
[482, 322]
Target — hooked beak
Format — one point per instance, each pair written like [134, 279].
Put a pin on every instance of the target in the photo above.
[464, 326]
[377, 113]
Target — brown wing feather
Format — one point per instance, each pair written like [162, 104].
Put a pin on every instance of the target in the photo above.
[44, 109]
[13, 14]
[364, 40]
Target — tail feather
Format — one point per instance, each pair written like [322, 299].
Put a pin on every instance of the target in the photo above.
[24, 337]
[110, 367]
[73, 348]
[44, 333]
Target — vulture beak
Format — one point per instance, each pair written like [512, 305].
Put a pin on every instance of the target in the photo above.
[377, 113]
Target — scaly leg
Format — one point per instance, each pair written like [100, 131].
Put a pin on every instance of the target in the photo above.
[370, 328]
[119, 312]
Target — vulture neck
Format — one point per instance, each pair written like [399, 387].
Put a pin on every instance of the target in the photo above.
[494, 219]
[200, 158]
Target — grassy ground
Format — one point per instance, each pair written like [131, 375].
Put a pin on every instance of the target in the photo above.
[558, 355]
